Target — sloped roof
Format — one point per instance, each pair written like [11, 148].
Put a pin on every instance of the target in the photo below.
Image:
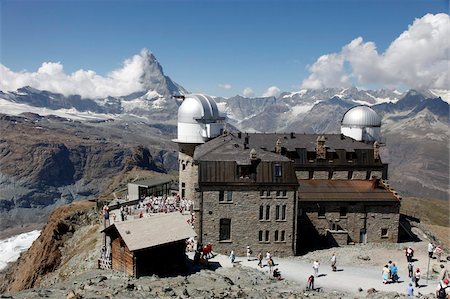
[293, 141]
[231, 148]
[157, 229]
[343, 190]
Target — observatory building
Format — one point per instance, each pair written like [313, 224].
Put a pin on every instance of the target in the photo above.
[361, 123]
[284, 193]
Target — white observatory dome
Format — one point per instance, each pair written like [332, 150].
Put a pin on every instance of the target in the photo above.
[361, 123]
[198, 119]
[361, 116]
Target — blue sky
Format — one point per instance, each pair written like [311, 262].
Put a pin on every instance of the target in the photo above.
[202, 45]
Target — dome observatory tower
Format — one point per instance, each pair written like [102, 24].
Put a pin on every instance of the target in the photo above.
[198, 121]
[361, 123]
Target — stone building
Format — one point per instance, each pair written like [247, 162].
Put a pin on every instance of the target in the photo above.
[266, 190]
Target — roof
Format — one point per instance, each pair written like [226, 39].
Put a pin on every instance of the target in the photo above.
[231, 148]
[293, 141]
[155, 230]
[361, 116]
[151, 182]
[344, 190]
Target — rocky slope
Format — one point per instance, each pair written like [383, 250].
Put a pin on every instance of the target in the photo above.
[48, 161]
[44, 256]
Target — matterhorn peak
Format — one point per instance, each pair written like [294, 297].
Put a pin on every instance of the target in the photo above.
[153, 77]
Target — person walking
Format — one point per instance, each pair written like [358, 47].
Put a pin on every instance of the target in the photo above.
[409, 254]
[315, 266]
[443, 289]
[270, 264]
[249, 253]
[444, 273]
[260, 257]
[310, 285]
[417, 277]
[410, 270]
[430, 250]
[333, 262]
[394, 273]
[410, 290]
[385, 274]
[232, 257]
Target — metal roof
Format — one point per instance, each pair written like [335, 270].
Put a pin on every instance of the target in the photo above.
[152, 182]
[344, 190]
[361, 116]
[157, 229]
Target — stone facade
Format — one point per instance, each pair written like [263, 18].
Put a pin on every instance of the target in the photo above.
[380, 221]
[244, 210]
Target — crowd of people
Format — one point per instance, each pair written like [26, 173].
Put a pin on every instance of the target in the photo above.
[148, 205]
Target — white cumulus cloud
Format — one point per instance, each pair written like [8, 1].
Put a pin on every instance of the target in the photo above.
[272, 91]
[86, 83]
[225, 86]
[418, 58]
[248, 92]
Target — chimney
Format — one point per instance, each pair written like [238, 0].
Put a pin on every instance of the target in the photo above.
[292, 135]
[376, 150]
[278, 146]
[253, 155]
[239, 135]
[321, 150]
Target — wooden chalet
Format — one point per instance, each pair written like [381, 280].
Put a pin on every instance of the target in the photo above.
[150, 245]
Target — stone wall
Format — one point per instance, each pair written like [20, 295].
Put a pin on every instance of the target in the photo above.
[379, 216]
[244, 212]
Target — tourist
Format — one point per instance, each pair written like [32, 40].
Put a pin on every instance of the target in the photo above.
[417, 277]
[270, 263]
[390, 269]
[409, 254]
[443, 289]
[249, 253]
[333, 262]
[410, 290]
[410, 270]
[430, 250]
[385, 274]
[438, 253]
[232, 257]
[394, 273]
[260, 257]
[277, 274]
[443, 274]
[315, 266]
[310, 285]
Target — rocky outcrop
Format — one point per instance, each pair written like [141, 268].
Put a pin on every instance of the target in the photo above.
[44, 256]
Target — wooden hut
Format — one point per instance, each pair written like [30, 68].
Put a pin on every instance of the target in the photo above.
[150, 245]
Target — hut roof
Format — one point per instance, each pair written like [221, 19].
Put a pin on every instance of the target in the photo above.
[155, 230]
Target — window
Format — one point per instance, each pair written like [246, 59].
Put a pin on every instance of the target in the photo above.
[278, 172]
[283, 234]
[384, 233]
[277, 213]
[278, 193]
[261, 193]
[267, 236]
[225, 229]
[276, 236]
[284, 193]
[183, 166]
[267, 212]
[229, 196]
[263, 236]
[343, 211]
[280, 212]
[261, 212]
[283, 212]
[222, 196]
[260, 236]
[321, 212]
[268, 193]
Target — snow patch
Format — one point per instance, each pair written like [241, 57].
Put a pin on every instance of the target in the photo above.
[11, 248]
[443, 93]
